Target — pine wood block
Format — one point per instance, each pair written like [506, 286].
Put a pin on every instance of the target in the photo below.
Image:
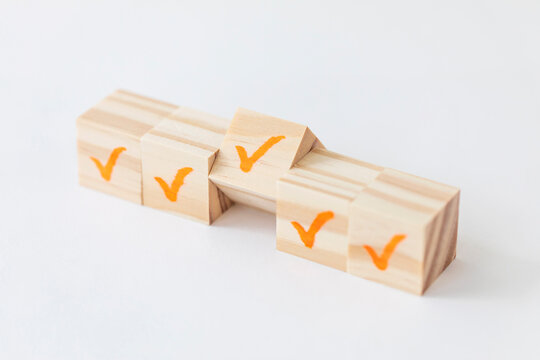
[313, 200]
[177, 156]
[403, 231]
[108, 141]
[256, 151]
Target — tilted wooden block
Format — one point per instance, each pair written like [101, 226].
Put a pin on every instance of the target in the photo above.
[108, 141]
[403, 230]
[177, 156]
[256, 151]
[313, 200]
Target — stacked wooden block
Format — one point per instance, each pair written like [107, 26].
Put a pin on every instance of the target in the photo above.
[374, 222]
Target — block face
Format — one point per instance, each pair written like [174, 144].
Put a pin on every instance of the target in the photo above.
[177, 156]
[304, 206]
[403, 265]
[127, 113]
[108, 142]
[441, 242]
[400, 226]
[316, 195]
[125, 177]
[255, 152]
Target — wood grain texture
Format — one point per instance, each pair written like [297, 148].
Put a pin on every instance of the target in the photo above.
[374, 222]
[119, 120]
[185, 139]
[399, 204]
[320, 182]
[251, 130]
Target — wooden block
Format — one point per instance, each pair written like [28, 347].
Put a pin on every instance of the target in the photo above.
[108, 140]
[255, 153]
[403, 230]
[177, 156]
[313, 200]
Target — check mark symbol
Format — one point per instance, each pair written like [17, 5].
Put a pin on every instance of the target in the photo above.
[246, 163]
[106, 171]
[172, 192]
[308, 237]
[381, 262]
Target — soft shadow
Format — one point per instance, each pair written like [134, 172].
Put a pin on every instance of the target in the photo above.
[485, 274]
[248, 218]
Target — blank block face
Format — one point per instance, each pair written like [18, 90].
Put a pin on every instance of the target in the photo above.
[108, 141]
[177, 156]
[313, 200]
[256, 151]
[403, 231]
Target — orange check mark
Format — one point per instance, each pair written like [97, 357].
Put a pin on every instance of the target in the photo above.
[381, 262]
[172, 192]
[246, 163]
[308, 237]
[106, 171]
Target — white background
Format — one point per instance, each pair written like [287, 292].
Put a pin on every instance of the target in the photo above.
[445, 90]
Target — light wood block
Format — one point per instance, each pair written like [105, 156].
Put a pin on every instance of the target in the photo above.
[313, 200]
[403, 230]
[377, 223]
[177, 156]
[108, 141]
[255, 153]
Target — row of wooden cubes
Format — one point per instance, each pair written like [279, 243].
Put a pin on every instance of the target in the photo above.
[371, 221]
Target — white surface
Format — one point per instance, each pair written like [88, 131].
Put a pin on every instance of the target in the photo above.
[446, 90]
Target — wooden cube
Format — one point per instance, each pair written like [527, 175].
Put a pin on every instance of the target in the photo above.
[108, 141]
[313, 200]
[255, 153]
[403, 230]
[177, 156]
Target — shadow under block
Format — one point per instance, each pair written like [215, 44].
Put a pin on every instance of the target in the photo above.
[313, 200]
[108, 142]
[403, 231]
[177, 156]
[256, 151]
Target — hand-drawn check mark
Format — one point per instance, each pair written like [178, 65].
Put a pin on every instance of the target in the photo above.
[381, 262]
[246, 163]
[172, 192]
[308, 237]
[106, 171]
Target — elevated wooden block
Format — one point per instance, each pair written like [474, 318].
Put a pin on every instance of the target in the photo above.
[177, 156]
[108, 141]
[313, 200]
[256, 151]
[403, 230]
